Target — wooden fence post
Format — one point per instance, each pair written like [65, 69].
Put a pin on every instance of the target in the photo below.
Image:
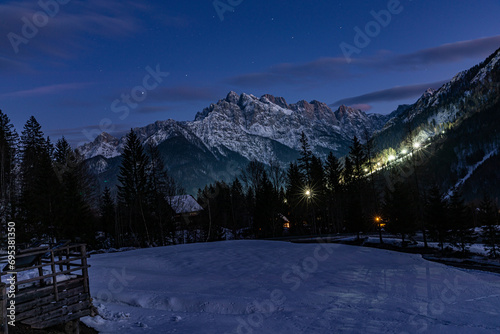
[85, 272]
[54, 272]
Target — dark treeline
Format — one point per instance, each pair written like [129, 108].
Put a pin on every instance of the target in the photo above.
[48, 191]
[349, 195]
[45, 187]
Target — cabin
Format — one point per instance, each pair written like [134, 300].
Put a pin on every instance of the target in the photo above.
[184, 205]
[45, 287]
[186, 214]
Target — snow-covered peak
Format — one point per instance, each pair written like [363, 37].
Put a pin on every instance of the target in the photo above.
[252, 127]
[429, 92]
[105, 138]
[344, 111]
[280, 101]
[232, 97]
[104, 145]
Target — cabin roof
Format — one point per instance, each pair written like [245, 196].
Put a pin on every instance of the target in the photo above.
[184, 204]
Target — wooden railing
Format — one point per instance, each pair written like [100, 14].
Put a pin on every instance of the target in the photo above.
[59, 291]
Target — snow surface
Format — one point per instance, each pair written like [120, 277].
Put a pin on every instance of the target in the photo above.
[279, 287]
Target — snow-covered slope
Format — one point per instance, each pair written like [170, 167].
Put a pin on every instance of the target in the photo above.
[459, 124]
[466, 93]
[278, 287]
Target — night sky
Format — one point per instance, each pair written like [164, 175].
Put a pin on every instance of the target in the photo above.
[75, 70]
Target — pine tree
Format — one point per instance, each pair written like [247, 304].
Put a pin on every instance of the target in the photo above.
[333, 176]
[348, 172]
[132, 191]
[295, 197]
[358, 158]
[63, 156]
[276, 175]
[318, 193]
[333, 173]
[239, 214]
[63, 151]
[40, 188]
[356, 215]
[491, 232]
[398, 211]
[8, 155]
[462, 233]
[74, 219]
[266, 220]
[32, 147]
[305, 158]
[252, 175]
[435, 213]
[373, 200]
[107, 213]
[160, 187]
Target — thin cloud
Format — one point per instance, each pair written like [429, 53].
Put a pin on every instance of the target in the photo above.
[337, 68]
[44, 90]
[66, 33]
[391, 94]
[362, 107]
[12, 66]
[450, 53]
[289, 73]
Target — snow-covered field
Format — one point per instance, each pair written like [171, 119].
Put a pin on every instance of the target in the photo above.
[279, 287]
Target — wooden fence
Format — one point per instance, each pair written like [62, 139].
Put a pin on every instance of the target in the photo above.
[53, 287]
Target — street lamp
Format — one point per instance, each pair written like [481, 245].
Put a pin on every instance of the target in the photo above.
[378, 221]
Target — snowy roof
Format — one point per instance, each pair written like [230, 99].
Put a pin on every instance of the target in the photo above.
[184, 204]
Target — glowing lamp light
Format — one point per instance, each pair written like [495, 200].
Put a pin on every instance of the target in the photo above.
[366, 170]
[392, 158]
[404, 151]
[416, 145]
[308, 193]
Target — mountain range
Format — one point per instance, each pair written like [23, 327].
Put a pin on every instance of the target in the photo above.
[225, 136]
[228, 134]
